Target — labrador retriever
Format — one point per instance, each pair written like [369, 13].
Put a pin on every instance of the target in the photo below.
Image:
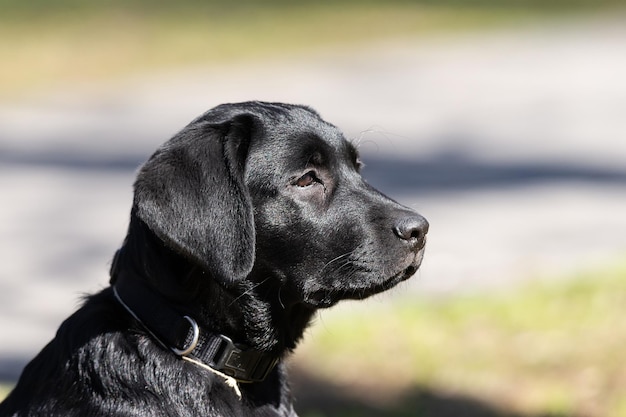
[243, 224]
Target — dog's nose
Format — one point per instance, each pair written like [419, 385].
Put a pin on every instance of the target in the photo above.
[412, 229]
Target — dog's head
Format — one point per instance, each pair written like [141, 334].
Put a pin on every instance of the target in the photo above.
[260, 191]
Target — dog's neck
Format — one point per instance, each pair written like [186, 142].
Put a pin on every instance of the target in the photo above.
[250, 312]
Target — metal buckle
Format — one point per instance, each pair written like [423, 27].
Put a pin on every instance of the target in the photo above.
[194, 341]
[242, 364]
[226, 350]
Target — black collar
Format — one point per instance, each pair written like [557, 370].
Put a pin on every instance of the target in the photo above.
[181, 334]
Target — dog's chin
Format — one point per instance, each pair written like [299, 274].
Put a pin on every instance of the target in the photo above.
[328, 298]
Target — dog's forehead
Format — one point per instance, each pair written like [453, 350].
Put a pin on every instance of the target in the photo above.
[304, 129]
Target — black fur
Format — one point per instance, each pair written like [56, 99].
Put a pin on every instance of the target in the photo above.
[249, 220]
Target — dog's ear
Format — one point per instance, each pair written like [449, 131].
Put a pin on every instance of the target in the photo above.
[191, 194]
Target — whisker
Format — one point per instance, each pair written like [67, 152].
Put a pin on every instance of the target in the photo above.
[335, 259]
[280, 300]
[248, 291]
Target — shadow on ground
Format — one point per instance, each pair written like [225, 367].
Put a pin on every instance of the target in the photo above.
[11, 368]
[317, 398]
[450, 172]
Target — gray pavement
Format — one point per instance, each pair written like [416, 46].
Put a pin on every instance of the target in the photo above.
[512, 144]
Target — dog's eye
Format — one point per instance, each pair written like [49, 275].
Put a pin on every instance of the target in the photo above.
[307, 179]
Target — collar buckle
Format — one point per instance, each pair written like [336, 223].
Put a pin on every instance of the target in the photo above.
[245, 365]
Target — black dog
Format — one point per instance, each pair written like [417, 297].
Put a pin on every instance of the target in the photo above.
[242, 225]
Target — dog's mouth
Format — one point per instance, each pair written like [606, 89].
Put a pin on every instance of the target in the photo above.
[361, 293]
[328, 297]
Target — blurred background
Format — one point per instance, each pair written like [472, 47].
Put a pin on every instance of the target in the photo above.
[501, 121]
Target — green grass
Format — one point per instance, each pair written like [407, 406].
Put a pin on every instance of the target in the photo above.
[4, 390]
[44, 43]
[555, 348]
